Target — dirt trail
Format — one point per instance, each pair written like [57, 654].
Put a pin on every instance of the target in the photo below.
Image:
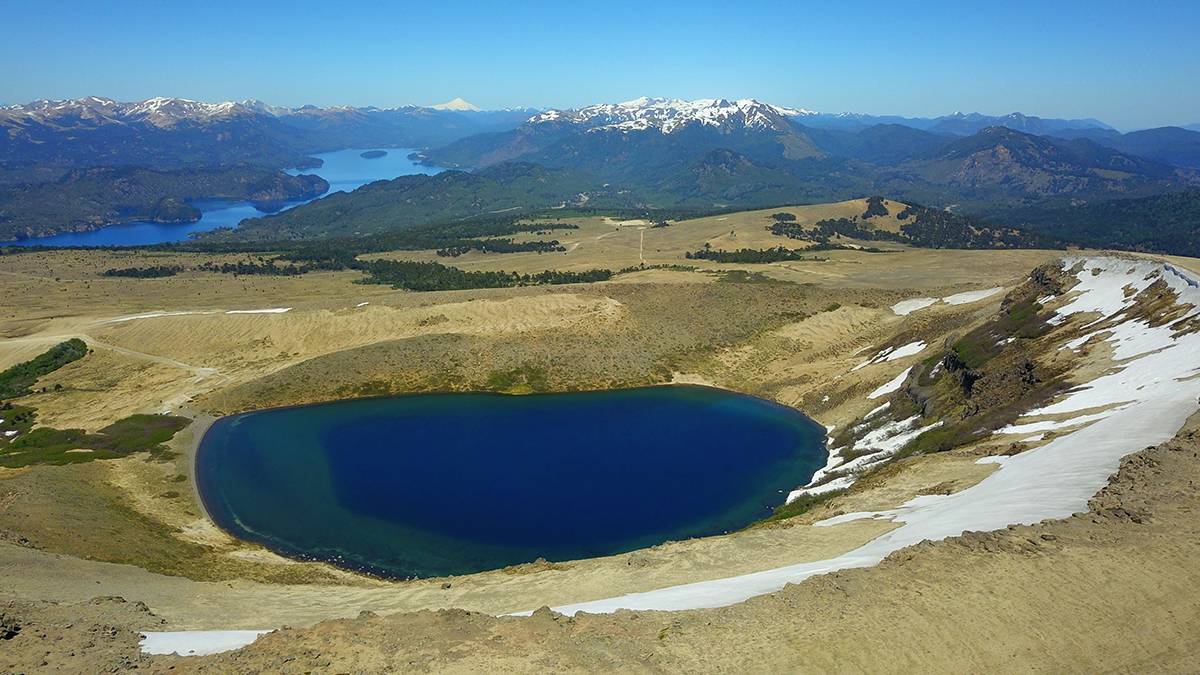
[51, 340]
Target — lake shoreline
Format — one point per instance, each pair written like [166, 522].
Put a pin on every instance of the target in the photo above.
[344, 170]
[247, 498]
[202, 422]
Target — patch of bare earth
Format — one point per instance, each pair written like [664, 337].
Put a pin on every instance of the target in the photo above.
[1110, 589]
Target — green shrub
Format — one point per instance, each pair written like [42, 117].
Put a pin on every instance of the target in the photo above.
[19, 379]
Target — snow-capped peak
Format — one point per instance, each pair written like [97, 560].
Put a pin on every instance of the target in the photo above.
[46, 106]
[669, 115]
[159, 111]
[265, 108]
[162, 111]
[458, 104]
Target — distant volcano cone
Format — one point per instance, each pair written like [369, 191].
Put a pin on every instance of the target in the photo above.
[456, 104]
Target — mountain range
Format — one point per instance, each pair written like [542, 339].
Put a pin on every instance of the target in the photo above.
[168, 133]
[751, 152]
[648, 153]
[958, 123]
[174, 132]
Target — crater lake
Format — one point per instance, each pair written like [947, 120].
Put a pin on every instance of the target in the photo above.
[440, 484]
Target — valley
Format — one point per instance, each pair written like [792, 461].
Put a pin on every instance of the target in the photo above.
[207, 199]
[654, 156]
[724, 347]
[84, 202]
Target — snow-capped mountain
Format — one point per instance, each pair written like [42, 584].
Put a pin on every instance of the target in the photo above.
[93, 110]
[670, 115]
[642, 136]
[43, 106]
[458, 103]
[164, 112]
[170, 132]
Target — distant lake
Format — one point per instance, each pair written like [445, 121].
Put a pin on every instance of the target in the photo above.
[348, 170]
[345, 170]
[439, 484]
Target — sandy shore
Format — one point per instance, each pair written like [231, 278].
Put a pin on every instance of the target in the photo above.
[188, 442]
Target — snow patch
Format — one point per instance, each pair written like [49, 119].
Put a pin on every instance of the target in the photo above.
[835, 484]
[153, 315]
[971, 296]
[890, 386]
[893, 353]
[878, 410]
[906, 307]
[1052, 425]
[197, 642]
[272, 310]
[1053, 480]
[671, 115]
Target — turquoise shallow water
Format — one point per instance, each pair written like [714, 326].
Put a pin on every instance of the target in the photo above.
[439, 484]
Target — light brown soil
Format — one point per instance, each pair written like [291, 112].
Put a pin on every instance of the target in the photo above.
[1109, 590]
[70, 533]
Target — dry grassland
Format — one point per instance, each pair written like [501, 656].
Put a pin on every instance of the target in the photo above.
[794, 340]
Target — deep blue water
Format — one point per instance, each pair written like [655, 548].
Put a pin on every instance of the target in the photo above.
[438, 484]
[345, 170]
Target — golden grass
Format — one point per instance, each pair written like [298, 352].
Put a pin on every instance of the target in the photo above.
[794, 342]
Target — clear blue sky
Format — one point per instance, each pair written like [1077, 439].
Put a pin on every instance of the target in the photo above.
[1132, 64]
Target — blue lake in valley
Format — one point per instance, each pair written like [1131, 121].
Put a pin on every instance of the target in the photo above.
[345, 170]
[438, 484]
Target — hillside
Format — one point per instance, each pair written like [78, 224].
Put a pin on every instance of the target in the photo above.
[661, 162]
[414, 200]
[885, 221]
[881, 143]
[666, 149]
[725, 178]
[1172, 145]
[1167, 223]
[87, 199]
[968, 124]
[1036, 409]
[1000, 163]
[600, 337]
[1179, 146]
[650, 154]
[647, 153]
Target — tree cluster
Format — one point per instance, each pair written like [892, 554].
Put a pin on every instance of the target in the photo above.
[19, 379]
[749, 255]
[433, 276]
[151, 272]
